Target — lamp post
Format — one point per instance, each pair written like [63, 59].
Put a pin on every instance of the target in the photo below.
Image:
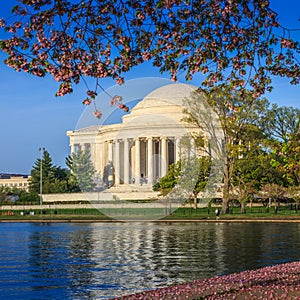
[42, 149]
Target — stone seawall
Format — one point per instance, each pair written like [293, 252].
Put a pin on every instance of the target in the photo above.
[106, 195]
[45, 206]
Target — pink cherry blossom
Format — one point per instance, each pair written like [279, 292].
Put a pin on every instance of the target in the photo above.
[73, 40]
[87, 101]
[97, 113]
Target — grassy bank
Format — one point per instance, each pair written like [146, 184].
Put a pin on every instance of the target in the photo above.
[183, 213]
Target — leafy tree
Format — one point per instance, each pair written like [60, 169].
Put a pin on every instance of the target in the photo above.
[168, 182]
[203, 174]
[82, 169]
[22, 195]
[65, 181]
[238, 114]
[288, 155]
[273, 192]
[243, 192]
[280, 122]
[176, 173]
[28, 197]
[258, 169]
[4, 192]
[237, 43]
[251, 172]
[294, 193]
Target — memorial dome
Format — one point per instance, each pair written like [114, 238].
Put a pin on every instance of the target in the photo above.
[167, 100]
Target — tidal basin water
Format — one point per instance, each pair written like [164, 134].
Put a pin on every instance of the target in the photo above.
[104, 260]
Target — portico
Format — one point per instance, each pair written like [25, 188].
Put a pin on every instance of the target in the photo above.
[139, 158]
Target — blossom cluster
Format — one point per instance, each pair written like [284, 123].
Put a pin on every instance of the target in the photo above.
[114, 100]
[230, 42]
[273, 282]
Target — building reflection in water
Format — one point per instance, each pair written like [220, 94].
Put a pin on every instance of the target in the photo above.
[102, 260]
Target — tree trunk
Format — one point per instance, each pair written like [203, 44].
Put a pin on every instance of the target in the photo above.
[195, 200]
[225, 203]
[243, 207]
[225, 206]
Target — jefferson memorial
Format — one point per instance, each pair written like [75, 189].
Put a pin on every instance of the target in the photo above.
[148, 140]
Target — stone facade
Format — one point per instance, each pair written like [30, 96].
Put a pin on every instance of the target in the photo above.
[140, 149]
[19, 182]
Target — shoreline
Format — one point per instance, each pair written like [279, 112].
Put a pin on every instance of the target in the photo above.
[150, 221]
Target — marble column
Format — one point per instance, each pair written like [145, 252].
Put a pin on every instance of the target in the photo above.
[177, 149]
[97, 160]
[150, 160]
[103, 157]
[137, 160]
[126, 161]
[192, 148]
[110, 163]
[164, 157]
[110, 152]
[117, 163]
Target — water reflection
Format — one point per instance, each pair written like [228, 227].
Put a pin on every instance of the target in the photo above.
[98, 261]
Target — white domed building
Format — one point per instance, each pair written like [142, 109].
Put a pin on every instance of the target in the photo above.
[144, 144]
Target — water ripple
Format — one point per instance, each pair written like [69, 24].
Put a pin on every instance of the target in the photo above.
[99, 261]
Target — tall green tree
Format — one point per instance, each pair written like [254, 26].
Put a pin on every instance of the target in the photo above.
[283, 126]
[251, 171]
[280, 122]
[238, 114]
[64, 182]
[82, 169]
[259, 169]
[54, 178]
[48, 174]
[288, 156]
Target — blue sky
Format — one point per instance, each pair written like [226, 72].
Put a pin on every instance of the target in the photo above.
[32, 117]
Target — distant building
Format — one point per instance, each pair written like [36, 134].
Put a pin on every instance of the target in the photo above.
[5, 176]
[14, 181]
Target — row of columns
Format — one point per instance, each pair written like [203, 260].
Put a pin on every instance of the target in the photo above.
[114, 159]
